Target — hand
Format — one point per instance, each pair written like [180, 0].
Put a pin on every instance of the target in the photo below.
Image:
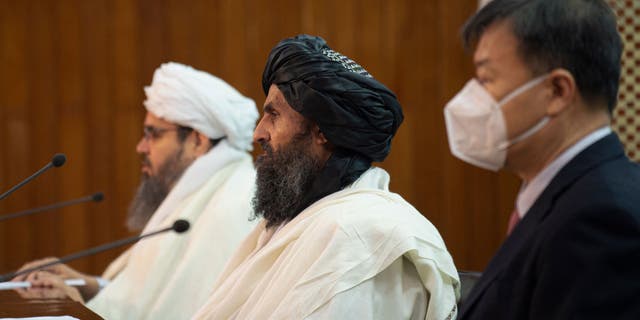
[64, 272]
[46, 285]
[61, 270]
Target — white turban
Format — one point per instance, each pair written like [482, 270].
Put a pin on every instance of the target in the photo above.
[196, 99]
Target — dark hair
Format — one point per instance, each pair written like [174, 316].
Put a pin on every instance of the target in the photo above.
[184, 131]
[578, 35]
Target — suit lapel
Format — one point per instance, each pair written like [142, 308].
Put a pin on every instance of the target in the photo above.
[603, 150]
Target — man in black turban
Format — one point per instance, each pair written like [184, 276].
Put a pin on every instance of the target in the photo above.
[333, 97]
[334, 243]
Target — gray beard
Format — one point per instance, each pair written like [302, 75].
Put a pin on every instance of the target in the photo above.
[283, 178]
[152, 191]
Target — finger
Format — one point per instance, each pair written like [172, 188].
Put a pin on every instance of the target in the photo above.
[59, 269]
[31, 277]
[45, 293]
[37, 277]
[37, 263]
[48, 280]
[21, 291]
[24, 293]
[22, 277]
[41, 262]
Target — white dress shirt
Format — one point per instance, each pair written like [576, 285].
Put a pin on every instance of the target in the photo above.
[530, 192]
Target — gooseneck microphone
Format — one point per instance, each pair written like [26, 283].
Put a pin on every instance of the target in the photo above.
[57, 161]
[96, 197]
[179, 226]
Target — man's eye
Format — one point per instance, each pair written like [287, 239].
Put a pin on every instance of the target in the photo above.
[483, 81]
[151, 132]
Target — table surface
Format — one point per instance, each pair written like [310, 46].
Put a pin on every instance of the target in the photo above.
[13, 305]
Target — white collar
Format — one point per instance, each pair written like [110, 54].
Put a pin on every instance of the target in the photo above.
[373, 179]
[194, 177]
[530, 192]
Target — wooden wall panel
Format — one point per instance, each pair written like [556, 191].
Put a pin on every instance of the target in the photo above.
[128, 79]
[99, 86]
[17, 137]
[42, 69]
[72, 81]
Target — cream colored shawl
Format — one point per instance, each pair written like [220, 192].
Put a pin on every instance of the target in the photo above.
[169, 276]
[331, 247]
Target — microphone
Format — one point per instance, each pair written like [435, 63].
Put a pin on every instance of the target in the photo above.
[179, 226]
[57, 161]
[97, 197]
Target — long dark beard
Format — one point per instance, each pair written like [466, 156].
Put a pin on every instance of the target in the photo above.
[283, 178]
[154, 189]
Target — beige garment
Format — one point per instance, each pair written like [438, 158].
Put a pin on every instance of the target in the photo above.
[394, 293]
[169, 276]
[342, 251]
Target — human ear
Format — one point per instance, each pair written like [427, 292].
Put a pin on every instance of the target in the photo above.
[201, 143]
[318, 136]
[564, 91]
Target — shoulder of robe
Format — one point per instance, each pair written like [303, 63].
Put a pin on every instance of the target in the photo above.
[372, 212]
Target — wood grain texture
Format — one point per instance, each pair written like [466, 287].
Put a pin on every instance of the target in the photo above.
[72, 81]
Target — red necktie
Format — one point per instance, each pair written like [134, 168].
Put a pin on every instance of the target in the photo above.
[513, 220]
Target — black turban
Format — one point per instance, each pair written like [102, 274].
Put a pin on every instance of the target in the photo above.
[352, 109]
[355, 112]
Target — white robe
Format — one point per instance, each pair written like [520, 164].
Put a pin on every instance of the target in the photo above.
[360, 253]
[169, 276]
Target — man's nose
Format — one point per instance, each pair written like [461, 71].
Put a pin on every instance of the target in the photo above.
[143, 146]
[260, 134]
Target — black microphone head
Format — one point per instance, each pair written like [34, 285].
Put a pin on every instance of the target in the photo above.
[58, 159]
[181, 226]
[97, 197]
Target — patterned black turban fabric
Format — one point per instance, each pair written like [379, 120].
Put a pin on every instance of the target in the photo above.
[355, 112]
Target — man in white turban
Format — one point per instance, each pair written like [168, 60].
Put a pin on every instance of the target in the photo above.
[196, 166]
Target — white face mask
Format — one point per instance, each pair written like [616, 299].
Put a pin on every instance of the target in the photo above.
[476, 128]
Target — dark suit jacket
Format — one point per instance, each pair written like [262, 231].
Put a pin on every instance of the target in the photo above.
[576, 253]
